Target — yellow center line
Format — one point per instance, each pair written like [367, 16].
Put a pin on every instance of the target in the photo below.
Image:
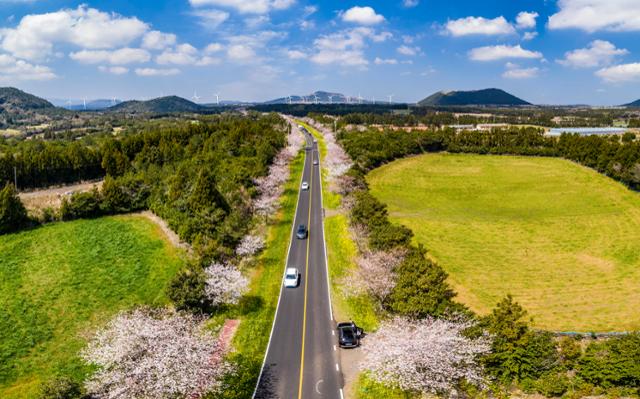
[306, 276]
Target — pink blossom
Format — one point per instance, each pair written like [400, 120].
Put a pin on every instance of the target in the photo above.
[224, 284]
[149, 354]
[250, 245]
[424, 356]
[376, 271]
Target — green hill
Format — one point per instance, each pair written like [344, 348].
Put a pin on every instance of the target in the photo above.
[162, 105]
[474, 97]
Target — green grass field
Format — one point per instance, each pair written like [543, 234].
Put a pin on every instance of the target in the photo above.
[563, 239]
[60, 281]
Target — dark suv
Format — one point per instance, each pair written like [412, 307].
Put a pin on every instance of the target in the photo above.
[302, 232]
[349, 335]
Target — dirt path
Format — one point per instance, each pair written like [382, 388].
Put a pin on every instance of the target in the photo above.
[37, 200]
[173, 238]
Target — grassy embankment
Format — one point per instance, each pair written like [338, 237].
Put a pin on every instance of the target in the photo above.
[61, 281]
[563, 239]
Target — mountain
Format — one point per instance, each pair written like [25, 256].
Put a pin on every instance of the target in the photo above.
[634, 104]
[14, 101]
[475, 97]
[161, 105]
[321, 97]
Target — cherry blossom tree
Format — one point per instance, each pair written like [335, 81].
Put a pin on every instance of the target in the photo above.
[337, 162]
[250, 245]
[425, 356]
[376, 271]
[157, 354]
[224, 284]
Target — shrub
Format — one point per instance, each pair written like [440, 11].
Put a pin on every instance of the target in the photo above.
[61, 388]
[186, 290]
[13, 215]
[81, 205]
[611, 363]
[552, 384]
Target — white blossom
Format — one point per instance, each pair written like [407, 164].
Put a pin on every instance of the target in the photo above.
[158, 354]
[224, 284]
[425, 356]
[250, 245]
[376, 270]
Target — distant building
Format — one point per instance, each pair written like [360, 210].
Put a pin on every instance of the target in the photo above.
[586, 131]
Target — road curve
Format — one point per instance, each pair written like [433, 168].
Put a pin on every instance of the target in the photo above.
[301, 360]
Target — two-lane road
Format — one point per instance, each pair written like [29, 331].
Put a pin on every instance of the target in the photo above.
[301, 359]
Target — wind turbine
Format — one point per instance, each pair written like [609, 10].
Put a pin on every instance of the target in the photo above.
[289, 97]
[316, 98]
[195, 97]
[330, 99]
[84, 103]
[217, 98]
[390, 98]
[373, 99]
[359, 99]
[114, 101]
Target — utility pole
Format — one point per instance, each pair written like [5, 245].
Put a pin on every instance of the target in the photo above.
[335, 126]
[15, 178]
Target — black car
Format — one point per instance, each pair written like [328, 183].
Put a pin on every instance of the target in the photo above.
[301, 233]
[349, 335]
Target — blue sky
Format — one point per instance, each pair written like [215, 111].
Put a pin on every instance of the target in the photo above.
[545, 51]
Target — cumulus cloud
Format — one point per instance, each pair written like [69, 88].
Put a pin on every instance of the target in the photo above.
[12, 69]
[596, 15]
[244, 49]
[514, 71]
[526, 20]
[385, 61]
[408, 51]
[241, 53]
[156, 40]
[246, 6]
[492, 53]
[296, 55]
[149, 72]
[213, 48]
[479, 26]
[211, 19]
[184, 54]
[620, 73]
[36, 34]
[362, 16]
[115, 70]
[410, 3]
[346, 48]
[121, 56]
[598, 53]
[529, 35]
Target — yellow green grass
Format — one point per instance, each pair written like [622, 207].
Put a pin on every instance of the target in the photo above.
[563, 239]
[59, 282]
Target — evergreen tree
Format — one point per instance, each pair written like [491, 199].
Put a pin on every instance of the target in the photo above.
[13, 215]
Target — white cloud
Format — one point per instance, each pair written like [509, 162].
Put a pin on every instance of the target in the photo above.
[492, 53]
[296, 55]
[346, 48]
[529, 35]
[408, 51]
[362, 16]
[184, 54]
[599, 53]
[620, 73]
[121, 56]
[410, 3]
[309, 10]
[515, 72]
[88, 28]
[156, 40]
[526, 20]
[596, 15]
[385, 61]
[307, 25]
[241, 53]
[211, 19]
[115, 70]
[246, 6]
[479, 26]
[12, 69]
[156, 72]
[213, 48]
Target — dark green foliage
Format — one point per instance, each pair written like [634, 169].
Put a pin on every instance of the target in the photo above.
[517, 352]
[114, 162]
[614, 362]
[127, 194]
[62, 388]
[553, 384]
[570, 351]
[13, 215]
[421, 289]
[388, 236]
[186, 290]
[81, 205]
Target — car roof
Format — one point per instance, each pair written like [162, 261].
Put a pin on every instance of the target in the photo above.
[292, 270]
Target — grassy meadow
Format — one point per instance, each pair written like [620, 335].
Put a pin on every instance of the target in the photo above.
[60, 281]
[563, 239]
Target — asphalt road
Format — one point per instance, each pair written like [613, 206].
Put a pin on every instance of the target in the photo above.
[301, 359]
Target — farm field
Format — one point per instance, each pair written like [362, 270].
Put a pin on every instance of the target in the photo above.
[60, 281]
[564, 240]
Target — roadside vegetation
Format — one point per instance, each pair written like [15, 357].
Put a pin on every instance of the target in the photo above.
[61, 281]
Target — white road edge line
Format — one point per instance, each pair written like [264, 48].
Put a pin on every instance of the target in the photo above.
[337, 367]
[341, 394]
[286, 263]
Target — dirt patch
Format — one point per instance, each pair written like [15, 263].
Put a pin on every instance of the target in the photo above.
[350, 360]
[171, 235]
[36, 201]
[227, 332]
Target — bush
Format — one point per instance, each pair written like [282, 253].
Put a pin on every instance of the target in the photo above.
[612, 363]
[61, 388]
[81, 205]
[553, 384]
[13, 215]
[187, 289]
[388, 236]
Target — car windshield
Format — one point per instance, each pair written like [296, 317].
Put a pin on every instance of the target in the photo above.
[301, 228]
[291, 276]
[347, 334]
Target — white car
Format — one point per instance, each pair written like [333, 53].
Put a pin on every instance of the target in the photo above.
[291, 277]
[305, 186]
